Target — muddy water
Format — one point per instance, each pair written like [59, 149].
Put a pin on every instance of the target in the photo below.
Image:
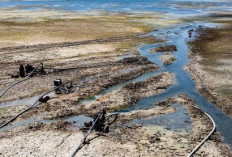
[78, 121]
[25, 122]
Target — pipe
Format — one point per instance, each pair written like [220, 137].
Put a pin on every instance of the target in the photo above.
[206, 138]
[55, 69]
[27, 109]
[86, 135]
[26, 78]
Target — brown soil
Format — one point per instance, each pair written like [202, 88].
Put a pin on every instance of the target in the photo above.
[210, 63]
[169, 48]
[89, 88]
[127, 96]
[19, 27]
[167, 59]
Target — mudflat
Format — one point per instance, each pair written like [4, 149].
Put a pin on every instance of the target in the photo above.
[98, 52]
[210, 62]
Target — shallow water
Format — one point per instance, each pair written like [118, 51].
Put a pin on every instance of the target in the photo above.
[184, 84]
[25, 122]
[177, 121]
[176, 35]
[78, 121]
[24, 101]
[166, 6]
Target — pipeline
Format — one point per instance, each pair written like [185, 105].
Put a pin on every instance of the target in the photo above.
[33, 105]
[206, 138]
[85, 136]
[56, 70]
[24, 79]
[92, 127]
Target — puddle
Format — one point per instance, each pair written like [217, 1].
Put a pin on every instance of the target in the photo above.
[177, 121]
[118, 86]
[78, 121]
[25, 122]
[25, 101]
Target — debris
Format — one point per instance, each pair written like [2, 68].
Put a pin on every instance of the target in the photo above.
[14, 76]
[190, 33]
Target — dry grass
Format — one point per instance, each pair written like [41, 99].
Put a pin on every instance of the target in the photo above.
[31, 27]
